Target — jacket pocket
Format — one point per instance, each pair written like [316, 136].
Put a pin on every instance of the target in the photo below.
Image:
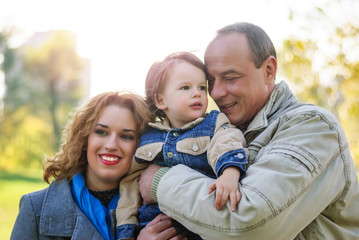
[149, 151]
[193, 146]
[298, 153]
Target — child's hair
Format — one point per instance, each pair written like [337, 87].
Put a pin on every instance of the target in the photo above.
[72, 156]
[157, 76]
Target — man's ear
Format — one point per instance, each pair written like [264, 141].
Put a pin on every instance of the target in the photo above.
[270, 68]
[159, 102]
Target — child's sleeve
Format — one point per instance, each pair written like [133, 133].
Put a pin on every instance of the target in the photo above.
[226, 148]
[129, 202]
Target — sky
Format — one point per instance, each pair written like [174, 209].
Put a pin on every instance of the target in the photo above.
[123, 38]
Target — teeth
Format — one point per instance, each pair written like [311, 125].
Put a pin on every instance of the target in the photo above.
[110, 159]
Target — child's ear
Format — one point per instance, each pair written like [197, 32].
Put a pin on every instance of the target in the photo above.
[159, 102]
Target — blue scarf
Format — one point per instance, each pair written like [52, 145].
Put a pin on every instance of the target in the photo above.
[92, 207]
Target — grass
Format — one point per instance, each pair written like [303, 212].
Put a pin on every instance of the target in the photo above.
[12, 186]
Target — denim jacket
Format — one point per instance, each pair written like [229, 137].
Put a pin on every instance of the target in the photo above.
[52, 213]
[208, 145]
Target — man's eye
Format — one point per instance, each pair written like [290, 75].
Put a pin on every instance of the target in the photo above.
[232, 77]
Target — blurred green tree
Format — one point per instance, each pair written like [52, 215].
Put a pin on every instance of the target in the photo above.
[43, 82]
[54, 69]
[326, 75]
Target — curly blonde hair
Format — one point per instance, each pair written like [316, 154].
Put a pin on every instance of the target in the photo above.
[72, 157]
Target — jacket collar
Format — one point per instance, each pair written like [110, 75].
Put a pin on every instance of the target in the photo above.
[60, 216]
[280, 99]
[164, 125]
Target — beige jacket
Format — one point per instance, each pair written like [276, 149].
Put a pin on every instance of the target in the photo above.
[301, 182]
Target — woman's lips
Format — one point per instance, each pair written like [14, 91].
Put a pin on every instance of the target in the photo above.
[110, 159]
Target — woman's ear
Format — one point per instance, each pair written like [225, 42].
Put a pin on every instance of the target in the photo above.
[159, 102]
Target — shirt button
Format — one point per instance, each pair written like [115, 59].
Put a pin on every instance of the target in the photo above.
[240, 155]
[195, 147]
[170, 154]
[149, 154]
[175, 134]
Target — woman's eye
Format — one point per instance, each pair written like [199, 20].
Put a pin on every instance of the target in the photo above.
[100, 132]
[128, 137]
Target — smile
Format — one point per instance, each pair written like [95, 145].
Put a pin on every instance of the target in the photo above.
[228, 105]
[110, 159]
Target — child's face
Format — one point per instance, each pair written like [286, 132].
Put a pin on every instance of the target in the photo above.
[111, 145]
[184, 98]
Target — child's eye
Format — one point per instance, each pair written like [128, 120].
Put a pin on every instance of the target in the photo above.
[204, 88]
[184, 88]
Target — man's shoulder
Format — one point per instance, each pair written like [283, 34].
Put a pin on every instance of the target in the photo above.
[306, 109]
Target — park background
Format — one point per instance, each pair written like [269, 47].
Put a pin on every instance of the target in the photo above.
[55, 55]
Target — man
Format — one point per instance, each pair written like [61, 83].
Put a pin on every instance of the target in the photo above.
[301, 182]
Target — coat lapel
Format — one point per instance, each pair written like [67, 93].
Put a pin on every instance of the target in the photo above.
[60, 216]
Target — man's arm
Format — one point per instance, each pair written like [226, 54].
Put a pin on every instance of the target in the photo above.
[291, 182]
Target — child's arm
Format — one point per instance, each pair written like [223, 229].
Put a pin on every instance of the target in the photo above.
[227, 157]
[129, 202]
[226, 186]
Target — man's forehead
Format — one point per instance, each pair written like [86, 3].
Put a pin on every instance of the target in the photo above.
[227, 51]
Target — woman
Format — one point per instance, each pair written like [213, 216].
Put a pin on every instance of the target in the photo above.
[97, 151]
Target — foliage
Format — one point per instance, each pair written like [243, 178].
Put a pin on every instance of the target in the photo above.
[26, 142]
[43, 83]
[328, 78]
[54, 68]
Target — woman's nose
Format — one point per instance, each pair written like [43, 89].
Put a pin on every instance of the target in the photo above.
[111, 144]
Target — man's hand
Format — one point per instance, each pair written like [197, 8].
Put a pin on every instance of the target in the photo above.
[146, 182]
[161, 228]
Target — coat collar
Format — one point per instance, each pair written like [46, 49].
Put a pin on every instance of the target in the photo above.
[281, 98]
[164, 125]
[60, 216]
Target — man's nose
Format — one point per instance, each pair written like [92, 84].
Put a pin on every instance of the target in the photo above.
[217, 89]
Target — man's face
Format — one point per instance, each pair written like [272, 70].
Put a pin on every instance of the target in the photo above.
[236, 85]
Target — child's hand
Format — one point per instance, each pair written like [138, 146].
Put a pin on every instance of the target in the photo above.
[226, 186]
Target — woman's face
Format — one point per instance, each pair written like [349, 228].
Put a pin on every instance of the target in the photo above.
[111, 145]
